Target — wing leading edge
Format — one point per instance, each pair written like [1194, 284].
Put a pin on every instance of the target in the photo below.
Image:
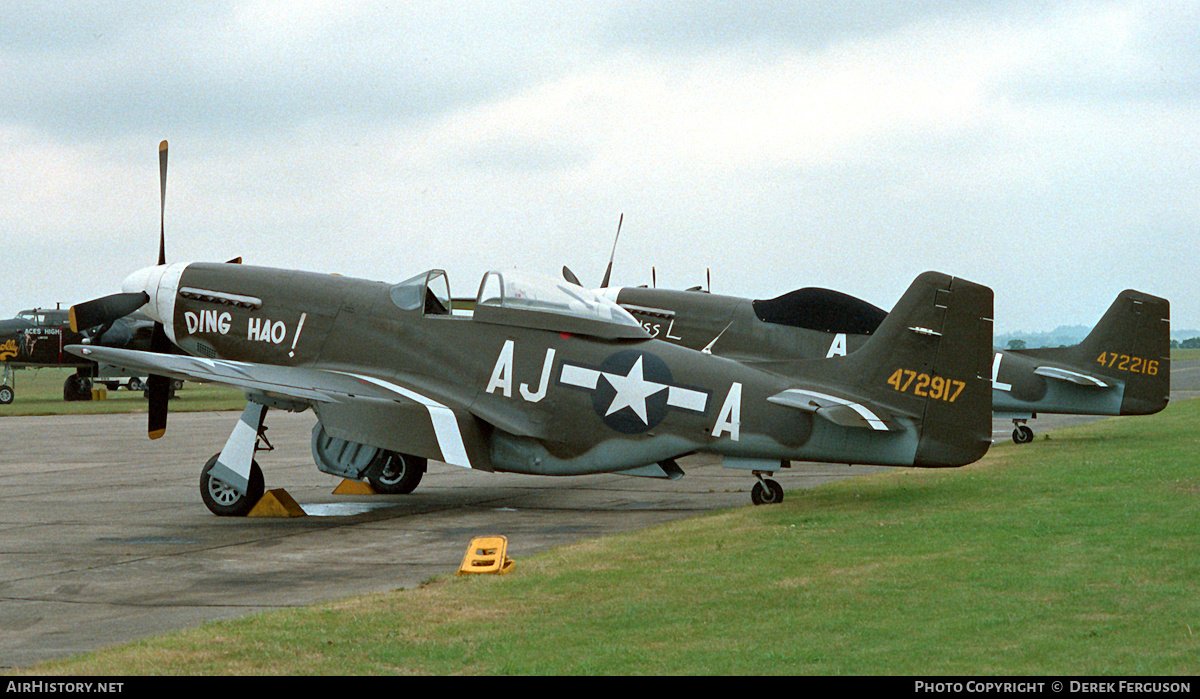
[351, 406]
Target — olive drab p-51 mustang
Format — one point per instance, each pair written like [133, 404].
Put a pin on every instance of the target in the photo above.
[542, 377]
[1121, 368]
[550, 378]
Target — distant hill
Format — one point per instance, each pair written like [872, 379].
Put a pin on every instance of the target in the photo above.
[1067, 335]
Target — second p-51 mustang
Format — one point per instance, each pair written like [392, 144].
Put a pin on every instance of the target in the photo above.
[1121, 368]
[544, 377]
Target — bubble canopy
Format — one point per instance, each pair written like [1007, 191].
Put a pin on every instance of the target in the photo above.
[522, 299]
[532, 292]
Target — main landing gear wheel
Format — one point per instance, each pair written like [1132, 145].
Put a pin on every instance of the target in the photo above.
[766, 492]
[6, 395]
[1023, 434]
[77, 387]
[221, 499]
[394, 474]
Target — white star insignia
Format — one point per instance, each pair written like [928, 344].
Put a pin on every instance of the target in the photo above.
[632, 391]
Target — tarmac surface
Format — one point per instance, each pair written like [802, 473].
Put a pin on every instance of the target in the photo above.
[104, 538]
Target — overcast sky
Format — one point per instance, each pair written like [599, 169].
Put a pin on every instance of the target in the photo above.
[1050, 150]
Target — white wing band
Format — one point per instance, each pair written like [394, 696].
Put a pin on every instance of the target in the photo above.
[445, 422]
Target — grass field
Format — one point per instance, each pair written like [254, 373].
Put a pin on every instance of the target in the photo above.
[40, 392]
[1078, 554]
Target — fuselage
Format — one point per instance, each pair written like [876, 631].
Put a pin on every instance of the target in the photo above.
[37, 338]
[556, 394]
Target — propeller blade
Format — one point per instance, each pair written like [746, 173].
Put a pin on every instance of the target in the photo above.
[162, 203]
[608, 272]
[158, 388]
[105, 310]
[570, 276]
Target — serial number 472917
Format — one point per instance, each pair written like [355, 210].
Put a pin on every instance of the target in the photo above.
[926, 386]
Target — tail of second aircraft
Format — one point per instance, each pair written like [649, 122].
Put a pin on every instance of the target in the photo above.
[928, 366]
[1131, 345]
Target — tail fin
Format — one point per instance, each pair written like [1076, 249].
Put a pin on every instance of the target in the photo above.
[930, 359]
[1131, 344]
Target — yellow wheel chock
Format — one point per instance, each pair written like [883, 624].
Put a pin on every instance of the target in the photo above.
[276, 503]
[486, 554]
[349, 487]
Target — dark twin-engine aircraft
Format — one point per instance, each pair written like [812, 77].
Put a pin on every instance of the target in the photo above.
[37, 338]
[541, 377]
[1121, 368]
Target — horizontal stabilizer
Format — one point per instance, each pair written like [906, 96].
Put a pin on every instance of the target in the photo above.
[840, 411]
[1053, 372]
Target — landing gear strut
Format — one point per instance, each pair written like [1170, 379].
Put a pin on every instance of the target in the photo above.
[231, 482]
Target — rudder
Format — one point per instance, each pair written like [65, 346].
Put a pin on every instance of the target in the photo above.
[1132, 345]
[930, 359]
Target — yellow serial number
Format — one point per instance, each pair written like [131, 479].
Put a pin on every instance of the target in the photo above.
[1124, 362]
[926, 386]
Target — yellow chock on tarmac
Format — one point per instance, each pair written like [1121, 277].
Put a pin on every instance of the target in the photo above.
[276, 503]
[349, 487]
[99, 393]
[486, 554]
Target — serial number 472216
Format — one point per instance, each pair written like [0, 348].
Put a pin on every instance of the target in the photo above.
[1124, 362]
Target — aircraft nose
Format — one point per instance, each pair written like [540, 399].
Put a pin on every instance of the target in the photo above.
[141, 280]
[161, 283]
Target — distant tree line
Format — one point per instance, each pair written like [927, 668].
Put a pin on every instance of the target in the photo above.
[1190, 343]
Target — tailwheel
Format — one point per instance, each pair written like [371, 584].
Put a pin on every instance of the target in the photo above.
[1022, 434]
[393, 473]
[222, 499]
[766, 492]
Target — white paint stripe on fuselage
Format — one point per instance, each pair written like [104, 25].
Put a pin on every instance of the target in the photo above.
[445, 422]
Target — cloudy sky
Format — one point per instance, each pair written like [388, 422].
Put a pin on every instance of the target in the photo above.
[1050, 150]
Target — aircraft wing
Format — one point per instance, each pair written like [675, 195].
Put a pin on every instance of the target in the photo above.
[838, 409]
[367, 409]
[308, 385]
[1053, 372]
